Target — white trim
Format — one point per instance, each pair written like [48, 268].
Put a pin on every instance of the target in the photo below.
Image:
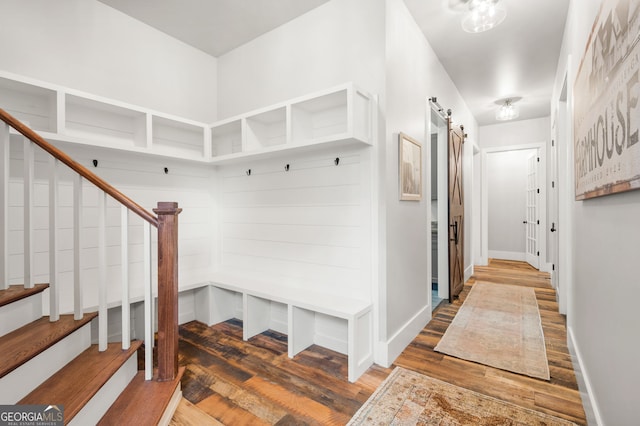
[546, 267]
[172, 406]
[507, 255]
[468, 272]
[403, 337]
[484, 198]
[591, 406]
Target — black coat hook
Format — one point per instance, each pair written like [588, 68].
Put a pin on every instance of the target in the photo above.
[166, 170]
[248, 172]
[286, 168]
[95, 163]
[336, 161]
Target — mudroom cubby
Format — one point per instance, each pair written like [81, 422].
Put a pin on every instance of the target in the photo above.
[341, 114]
[104, 123]
[266, 129]
[262, 315]
[30, 103]
[226, 138]
[172, 137]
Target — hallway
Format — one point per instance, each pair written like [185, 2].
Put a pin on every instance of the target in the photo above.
[559, 397]
[235, 382]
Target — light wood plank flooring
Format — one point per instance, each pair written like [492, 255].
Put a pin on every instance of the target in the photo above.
[232, 382]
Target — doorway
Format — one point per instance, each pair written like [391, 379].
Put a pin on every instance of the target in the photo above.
[513, 204]
[439, 206]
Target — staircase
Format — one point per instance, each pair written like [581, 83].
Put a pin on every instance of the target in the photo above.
[66, 359]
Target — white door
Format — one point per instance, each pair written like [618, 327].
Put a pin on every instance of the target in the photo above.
[553, 216]
[532, 254]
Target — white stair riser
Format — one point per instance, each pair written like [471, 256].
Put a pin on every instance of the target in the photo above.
[19, 313]
[93, 411]
[21, 381]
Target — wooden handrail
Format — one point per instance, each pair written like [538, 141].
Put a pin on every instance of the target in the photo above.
[78, 168]
[167, 225]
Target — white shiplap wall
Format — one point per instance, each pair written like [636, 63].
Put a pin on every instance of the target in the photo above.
[143, 180]
[309, 226]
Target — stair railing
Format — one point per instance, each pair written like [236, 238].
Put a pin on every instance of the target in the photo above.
[166, 223]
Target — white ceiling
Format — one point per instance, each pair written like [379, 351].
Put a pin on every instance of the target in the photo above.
[516, 59]
[214, 26]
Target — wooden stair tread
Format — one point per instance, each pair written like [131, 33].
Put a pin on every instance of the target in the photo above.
[78, 381]
[142, 402]
[17, 292]
[26, 342]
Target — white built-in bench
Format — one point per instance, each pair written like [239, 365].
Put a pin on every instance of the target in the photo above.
[305, 315]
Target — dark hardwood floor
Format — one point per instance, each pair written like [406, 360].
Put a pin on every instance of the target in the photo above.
[232, 382]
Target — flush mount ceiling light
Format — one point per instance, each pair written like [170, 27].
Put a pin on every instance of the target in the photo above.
[507, 111]
[483, 15]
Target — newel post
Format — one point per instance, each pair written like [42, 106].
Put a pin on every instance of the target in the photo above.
[167, 289]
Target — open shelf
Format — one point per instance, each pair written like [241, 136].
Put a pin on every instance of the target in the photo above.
[266, 129]
[177, 138]
[332, 118]
[320, 117]
[36, 106]
[104, 122]
[226, 139]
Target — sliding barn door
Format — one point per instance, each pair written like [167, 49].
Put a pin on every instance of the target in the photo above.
[456, 211]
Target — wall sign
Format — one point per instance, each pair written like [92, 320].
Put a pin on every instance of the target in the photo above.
[607, 105]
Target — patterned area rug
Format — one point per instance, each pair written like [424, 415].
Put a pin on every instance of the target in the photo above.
[410, 398]
[499, 325]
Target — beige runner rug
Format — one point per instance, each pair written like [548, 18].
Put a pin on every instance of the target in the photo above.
[499, 325]
[409, 398]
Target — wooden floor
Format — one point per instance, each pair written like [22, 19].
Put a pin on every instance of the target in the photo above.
[232, 382]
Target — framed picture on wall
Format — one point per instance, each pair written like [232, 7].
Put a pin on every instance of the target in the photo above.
[410, 168]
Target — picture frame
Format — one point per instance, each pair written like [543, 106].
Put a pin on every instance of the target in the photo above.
[409, 168]
[606, 119]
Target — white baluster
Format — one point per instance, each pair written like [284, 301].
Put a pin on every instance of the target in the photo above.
[54, 291]
[77, 249]
[4, 209]
[124, 261]
[102, 272]
[148, 305]
[28, 213]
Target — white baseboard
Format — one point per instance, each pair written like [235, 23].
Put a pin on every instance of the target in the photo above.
[507, 255]
[468, 272]
[546, 267]
[391, 349]
[586, 391]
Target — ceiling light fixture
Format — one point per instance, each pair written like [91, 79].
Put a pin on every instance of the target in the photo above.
[483, 15]
[508, 111]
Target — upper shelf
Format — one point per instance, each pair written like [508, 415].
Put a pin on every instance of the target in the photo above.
[338, 116]
[66, 115]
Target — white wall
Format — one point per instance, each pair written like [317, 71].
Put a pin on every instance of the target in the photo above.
[88, 46]
[413, 74]
[513, 133]
[340, 41]
[507, 185]
[603, 317]
[309, 226]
